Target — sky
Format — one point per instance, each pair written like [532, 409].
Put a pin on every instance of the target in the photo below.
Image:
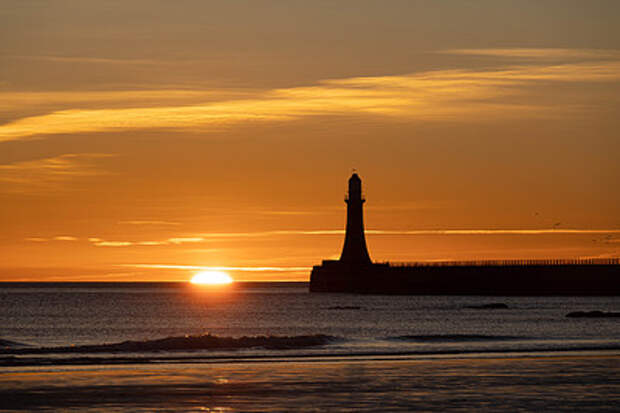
[147, 140]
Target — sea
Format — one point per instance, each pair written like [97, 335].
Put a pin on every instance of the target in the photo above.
[273, 346]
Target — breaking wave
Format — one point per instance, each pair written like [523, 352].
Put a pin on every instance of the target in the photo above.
[187, 343]
[11, 344]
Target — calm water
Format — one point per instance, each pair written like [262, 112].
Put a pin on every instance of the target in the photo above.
[75, 314]
[397, 352]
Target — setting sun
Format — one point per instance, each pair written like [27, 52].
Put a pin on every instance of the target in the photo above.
[211, 278]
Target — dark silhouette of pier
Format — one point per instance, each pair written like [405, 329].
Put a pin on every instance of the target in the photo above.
[355, 272]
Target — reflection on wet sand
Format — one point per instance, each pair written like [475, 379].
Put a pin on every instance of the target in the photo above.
[552, 383]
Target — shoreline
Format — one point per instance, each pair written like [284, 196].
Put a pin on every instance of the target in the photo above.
[551, 382]
[9, 362]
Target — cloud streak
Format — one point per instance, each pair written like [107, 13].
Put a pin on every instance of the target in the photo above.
[540, 231]
[87, 59]
[466, 95]
[539, 53]
[55, 238]
[113, 243]
[15, 101]
[209, 268]
[544, 231]
[48, 174]
[98, 242]
[205, 237]
[65, 238]
[147, 222]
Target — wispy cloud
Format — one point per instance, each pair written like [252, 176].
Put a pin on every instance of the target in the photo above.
[214, 236]
[185, 240]
[54, 238]
[468, 95]
[15, 101]
[147, 222]
[540, 53]
[113, 243]
[106, 120]
[87, 59]
[541, 231]
[207, 268]
[49, 174]
[613, 254]
[284, 212]
[152, 243]
[544, 231]
[98, 242]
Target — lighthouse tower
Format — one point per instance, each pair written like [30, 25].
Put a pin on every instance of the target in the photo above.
[354, 251]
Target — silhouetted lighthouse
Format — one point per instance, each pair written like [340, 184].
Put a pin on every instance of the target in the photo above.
[354, 272]
[354, 251]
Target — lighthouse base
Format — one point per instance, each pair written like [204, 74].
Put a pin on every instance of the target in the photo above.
[340, 277]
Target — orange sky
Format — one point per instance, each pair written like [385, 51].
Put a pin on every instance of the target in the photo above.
[144, 140]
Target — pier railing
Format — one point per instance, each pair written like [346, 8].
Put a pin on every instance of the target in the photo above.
[500, 263]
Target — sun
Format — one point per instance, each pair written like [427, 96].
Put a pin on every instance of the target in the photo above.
[211, 278]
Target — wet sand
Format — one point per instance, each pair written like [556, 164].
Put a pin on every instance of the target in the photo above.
[543, 382]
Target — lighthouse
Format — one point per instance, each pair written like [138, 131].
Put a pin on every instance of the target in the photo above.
[354, 272]
[354, 251]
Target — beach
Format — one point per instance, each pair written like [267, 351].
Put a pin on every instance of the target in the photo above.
[533, 382]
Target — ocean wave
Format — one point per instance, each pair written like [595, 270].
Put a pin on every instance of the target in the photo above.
[187, 343]
[488, 306]
[11, 344]
[593, 314]
[443, 338]
[306, 357]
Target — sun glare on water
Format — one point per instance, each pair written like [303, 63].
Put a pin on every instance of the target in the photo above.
[211, 278]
